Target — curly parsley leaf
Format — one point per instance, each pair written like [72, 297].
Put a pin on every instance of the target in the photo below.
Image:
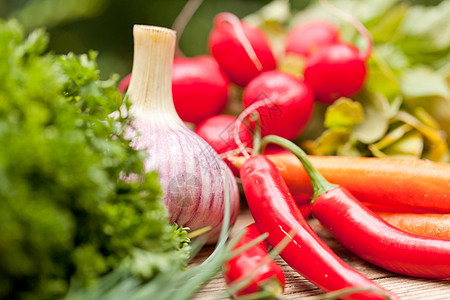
[64, 211]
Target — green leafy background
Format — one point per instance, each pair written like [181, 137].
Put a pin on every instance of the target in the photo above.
[404, 109]
[106, 25]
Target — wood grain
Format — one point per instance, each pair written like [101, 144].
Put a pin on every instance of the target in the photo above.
[297, 287]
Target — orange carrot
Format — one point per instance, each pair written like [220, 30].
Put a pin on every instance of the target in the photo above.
[405, 184]
[432, 225]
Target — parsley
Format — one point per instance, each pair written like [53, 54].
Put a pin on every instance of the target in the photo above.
[64, 212]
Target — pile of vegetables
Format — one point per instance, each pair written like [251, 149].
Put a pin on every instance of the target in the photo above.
[403, 108]
[98, 180]
[334, 88]
[65, 214]
[337, 209]
[394, 125]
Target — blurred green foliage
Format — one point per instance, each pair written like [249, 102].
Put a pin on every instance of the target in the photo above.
[106, 25]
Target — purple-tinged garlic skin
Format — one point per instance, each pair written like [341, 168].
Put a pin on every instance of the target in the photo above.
[191, 173]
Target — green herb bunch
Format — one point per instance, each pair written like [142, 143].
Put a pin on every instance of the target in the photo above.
[65, 213]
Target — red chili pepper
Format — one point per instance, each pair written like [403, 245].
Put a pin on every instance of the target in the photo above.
[367, 235]
[304, 204]
[267, 276]
[274, 210]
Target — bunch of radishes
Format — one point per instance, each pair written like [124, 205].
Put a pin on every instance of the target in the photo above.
[241, 55]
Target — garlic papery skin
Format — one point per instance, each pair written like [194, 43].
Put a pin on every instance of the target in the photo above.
[191, 174]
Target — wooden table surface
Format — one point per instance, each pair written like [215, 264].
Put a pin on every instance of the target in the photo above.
[407, 288]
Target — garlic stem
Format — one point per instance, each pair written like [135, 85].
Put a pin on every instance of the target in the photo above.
[151, 80]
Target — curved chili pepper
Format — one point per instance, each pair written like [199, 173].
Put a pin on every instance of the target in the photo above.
[367, 235]
[378, 242]
[274, 211]
[266, 274]
[304, 204]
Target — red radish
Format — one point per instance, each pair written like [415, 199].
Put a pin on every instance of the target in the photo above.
[289, 103]
[308, 37]
[218, 131]
[274, 149]
[241, 50]
[124, 83]
[338, 70]
[199, 87]
[334, 71]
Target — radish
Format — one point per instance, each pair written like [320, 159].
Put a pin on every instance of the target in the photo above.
[286, 103]
[338, 70]
[272, 149]
[218, 131]
[241, 50]
[124, 83]
[308, 37]
[199, 88]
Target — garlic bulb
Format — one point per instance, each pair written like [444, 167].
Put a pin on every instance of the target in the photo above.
[191, 174]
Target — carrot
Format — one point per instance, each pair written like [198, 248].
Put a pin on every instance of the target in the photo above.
[404, 184]
[398, 208]
[432, 225]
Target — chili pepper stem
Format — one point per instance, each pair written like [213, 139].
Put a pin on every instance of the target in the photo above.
[319, 183]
